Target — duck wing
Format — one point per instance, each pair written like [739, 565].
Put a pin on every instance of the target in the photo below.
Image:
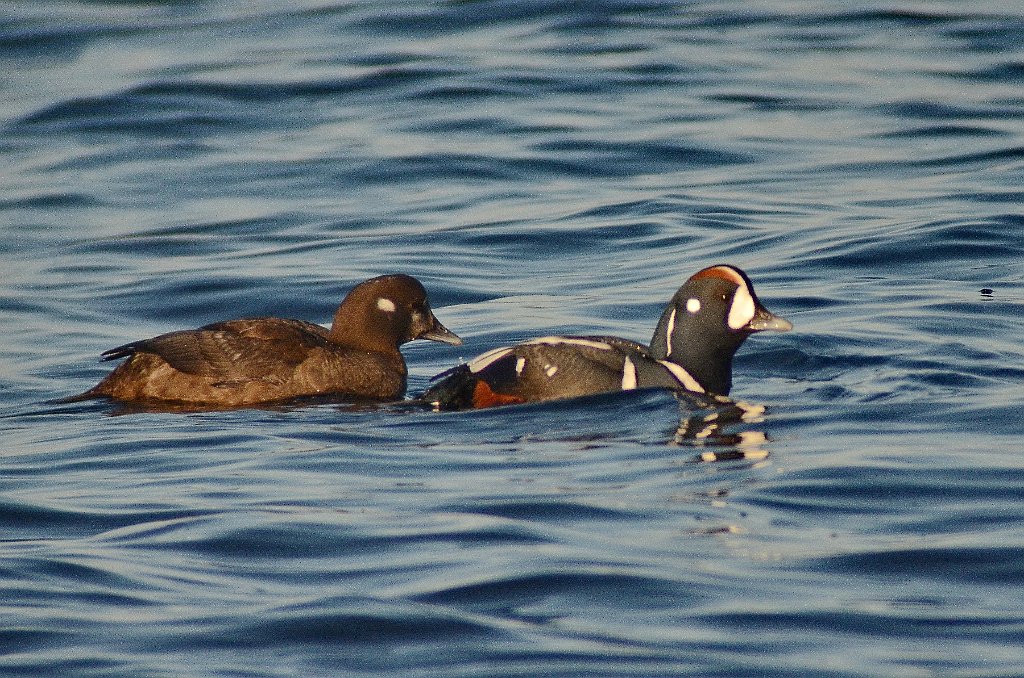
[233, 350]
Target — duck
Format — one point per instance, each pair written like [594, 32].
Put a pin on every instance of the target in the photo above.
[704, 324]
[238, 363]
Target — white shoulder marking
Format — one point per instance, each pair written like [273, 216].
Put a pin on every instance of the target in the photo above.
[386, 305]
[742, 310]
[628, 375]
[688, 382]
[670, 329]
[520, 364]
[484, 359]
[571, 341]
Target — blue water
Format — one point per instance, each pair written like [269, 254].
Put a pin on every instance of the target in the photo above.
[543, 167]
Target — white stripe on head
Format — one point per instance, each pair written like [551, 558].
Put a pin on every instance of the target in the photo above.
[628, 375]
[570, 341]
[670, 329]
[682, 376]
[482, 361]
[743, 308]
[386, 305]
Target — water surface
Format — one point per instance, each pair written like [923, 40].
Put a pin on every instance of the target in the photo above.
[543, 168]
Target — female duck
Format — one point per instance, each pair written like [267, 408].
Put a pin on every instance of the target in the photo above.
[257, 360]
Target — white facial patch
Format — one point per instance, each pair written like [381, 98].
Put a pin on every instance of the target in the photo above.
[743, 308]
[684, 377]
[692, 305]
[386, 305]
[550, 370]
[570, 341]
[484, 359]
[628, 375]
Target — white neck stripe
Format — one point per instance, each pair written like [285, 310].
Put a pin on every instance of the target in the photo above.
[669, 330]
[684, 377]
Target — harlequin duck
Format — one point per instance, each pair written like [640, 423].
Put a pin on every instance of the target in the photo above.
[700, 330]
[244, 362]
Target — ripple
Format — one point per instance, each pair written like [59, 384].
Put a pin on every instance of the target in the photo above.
[543, 167]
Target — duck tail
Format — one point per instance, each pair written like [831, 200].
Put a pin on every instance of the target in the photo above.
[453, 390]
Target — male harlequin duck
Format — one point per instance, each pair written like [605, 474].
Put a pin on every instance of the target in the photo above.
[692, 349]
[257, 360]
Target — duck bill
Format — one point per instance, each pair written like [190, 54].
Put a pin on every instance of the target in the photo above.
[442, 334]
[765, 320]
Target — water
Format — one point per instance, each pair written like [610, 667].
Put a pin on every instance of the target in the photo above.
[543, 168]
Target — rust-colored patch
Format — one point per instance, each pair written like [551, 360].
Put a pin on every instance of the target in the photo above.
[485, 396]
[721, 272]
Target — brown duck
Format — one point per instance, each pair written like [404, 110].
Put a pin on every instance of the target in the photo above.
[259, 360]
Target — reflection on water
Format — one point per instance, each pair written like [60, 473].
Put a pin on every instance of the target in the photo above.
[544, 168]
[706, 421]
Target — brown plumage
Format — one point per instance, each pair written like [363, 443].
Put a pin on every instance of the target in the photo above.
[258, 360]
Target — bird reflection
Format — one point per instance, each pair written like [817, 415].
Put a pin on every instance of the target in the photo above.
[709, 421]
